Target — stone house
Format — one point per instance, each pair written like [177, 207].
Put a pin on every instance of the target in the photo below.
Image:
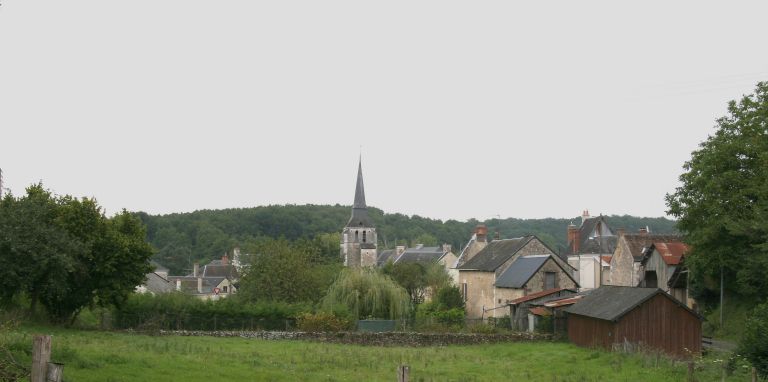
[504, 270]
[626, 264]
[590, 246]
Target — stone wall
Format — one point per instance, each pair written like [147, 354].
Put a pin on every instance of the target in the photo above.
[374, 339]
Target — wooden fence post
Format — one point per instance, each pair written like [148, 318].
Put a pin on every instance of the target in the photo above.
[690, 372]
[41, 355]
[55, 372]
[403, 373]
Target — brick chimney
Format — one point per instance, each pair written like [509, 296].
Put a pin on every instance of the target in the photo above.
[481, 233]
[224, 259]
[496, 235]
[196, 269]
[573, 237]
[620, 232]
[199, 285]
[447, 248]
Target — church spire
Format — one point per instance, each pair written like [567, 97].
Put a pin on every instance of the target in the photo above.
[359, 189]
[359, 209]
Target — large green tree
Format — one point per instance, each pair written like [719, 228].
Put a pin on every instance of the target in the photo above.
[722, 203]
[278, 270]
[66, 254]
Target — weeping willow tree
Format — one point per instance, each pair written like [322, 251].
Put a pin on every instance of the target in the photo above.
[368, 293]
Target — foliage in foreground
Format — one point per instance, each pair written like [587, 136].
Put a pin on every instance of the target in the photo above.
[754, 343]
[367, 293]
[64, 253]
[722, 202]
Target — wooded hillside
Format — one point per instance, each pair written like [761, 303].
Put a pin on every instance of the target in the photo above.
[181, 239]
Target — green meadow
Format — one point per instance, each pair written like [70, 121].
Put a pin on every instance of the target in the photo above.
[114, 356]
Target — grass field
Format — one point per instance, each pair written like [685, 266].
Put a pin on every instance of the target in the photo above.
[108, 356]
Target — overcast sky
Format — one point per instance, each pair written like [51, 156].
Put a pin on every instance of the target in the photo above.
[463, 109]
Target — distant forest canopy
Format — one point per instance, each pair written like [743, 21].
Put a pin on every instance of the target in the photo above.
[184, 238]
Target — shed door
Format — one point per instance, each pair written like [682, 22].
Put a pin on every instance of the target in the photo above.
[549, 280]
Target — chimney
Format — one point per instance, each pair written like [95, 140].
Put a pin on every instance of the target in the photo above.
[620, 232]
[399, 250]
[644, 231]
[496, 235]
[196, 269]
[584, 216]
[199, 285]
[447, 248]
[224, 260]
[178, 284]
[573, 237]
[481, 232]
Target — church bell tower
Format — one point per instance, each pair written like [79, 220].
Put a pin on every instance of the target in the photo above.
[358, 239]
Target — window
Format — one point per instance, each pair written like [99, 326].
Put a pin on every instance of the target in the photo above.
[651, 281]
[356, 236]
[225, 289]
[364, 236]
[550, 280]
[464, 292]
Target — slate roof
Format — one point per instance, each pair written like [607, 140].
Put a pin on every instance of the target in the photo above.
[598, 244]
[220, 270]
[496, 253]
[518, 274]
[384, 256]
[610, 303]
[637, 243]
[421, 255]
[157, 284]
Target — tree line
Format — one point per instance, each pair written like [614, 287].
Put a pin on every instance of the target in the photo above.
[184, 238]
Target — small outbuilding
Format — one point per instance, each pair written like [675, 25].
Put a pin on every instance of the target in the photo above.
[614, 316]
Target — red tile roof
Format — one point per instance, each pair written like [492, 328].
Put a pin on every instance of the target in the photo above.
[536, 295]
[671, 253]
[607, 259]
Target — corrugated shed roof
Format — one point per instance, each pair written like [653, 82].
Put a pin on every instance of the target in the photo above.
[518, 274]
[540, 311]
[496, 253]
[536, 295]
[671, 253]
[612, 302]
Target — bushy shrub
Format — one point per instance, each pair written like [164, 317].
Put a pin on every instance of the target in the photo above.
[176, 311]
[754, 342]
[322, 322]
[449, 297]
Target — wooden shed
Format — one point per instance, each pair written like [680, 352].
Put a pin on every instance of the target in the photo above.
[614, 316]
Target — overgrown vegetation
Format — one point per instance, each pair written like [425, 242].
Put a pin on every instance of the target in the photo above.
[754, 343]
